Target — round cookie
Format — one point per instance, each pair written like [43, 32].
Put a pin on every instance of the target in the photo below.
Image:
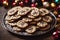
[37, 19]
[47, 19]
[35, 12]
[22, 24]
[14, 17]
[42, 24]
[12, 24]
[30, 16]
[31, 29]
[45, 28]
[12, 11]
[33, 23]
[22, 12]
[43, 11]
[8, 17]
[27, 19]
[19, 8]
[27, 9]
[16, 29]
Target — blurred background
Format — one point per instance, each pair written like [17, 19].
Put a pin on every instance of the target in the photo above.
[52, 5]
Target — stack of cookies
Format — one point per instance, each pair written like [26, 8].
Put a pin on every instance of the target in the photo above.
[28, 19]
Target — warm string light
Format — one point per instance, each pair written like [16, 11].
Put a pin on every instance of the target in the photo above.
[16, 1]
[5, 2]
[33, 1]
[53, 5]
[21, 3]
[26, 1]
[59, 16]
[42, 0]
[46, 4]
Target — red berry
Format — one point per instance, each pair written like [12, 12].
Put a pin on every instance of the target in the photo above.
[21, 3]
[14, 3]
[33, 5]
[26, 1]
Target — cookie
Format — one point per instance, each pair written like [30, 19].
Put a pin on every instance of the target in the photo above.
[43, 11]
[35, 12]
[46, 28]
[16, 29]
[42, 24]
[37, 19]
[14, 17]
[27, 9]
[31, 29]
[30, 16]
[22, 12]
[47, 19]
[33, 23]
[12, 24]
[22, 24]
[8, 17]
[12, 11]
[27, 19]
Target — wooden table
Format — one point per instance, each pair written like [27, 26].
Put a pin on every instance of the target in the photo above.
[5, 35]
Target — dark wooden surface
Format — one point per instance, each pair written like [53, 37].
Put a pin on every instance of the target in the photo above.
[5, 35]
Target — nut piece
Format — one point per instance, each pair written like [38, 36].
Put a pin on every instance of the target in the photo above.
[16, 29]
[31, 29]
[22, 24]
[47, 19]
[42, 24]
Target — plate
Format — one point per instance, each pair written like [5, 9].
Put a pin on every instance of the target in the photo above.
[9, 28]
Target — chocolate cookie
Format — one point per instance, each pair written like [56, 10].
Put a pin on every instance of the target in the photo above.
[31, 29]
[45, 28]
[22, 24]
[42, 24]
[47, 19]
[16, 29]
[27, 19]
[43, 11]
